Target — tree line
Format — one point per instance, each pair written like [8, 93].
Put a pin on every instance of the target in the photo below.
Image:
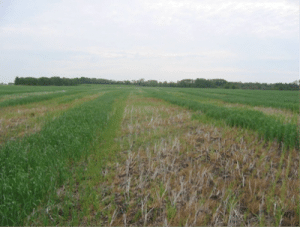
[45, 81]
[197, 83]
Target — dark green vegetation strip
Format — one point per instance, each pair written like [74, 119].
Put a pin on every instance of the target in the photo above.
[266, 126]
[35, 98]
[10, 90]
[277, 99]
[80, 95]
[17, 91]
[35, 166]
[67, 209]
[105, 150]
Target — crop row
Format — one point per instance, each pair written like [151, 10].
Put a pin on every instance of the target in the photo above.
[12, 90]
[267, 127]
[66, 95]
[35, 98]
[34, 167]
[277, 99]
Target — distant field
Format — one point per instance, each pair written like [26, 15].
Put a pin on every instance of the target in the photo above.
[117, 155]
[284, 100]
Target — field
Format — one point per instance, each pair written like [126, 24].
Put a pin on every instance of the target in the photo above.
[121, 155]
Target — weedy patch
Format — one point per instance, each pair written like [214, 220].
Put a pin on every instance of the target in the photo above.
[179, 172]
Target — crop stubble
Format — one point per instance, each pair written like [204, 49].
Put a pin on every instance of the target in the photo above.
[178, 172]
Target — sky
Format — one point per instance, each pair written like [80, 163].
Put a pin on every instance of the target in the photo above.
[164, 40]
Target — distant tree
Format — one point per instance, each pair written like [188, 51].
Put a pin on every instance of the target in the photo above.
[185, 83]
[44, 81]
[17, 81]
[219, 82]
[165, 84]
[227, 86]
[153, 83]
[203, 83]
[172, 84]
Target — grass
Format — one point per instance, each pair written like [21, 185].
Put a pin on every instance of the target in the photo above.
[18, 121]
[34, 98]
[283, 115]
[20, 95]
[86, 180]
[269, 128]
[278, 99]
[17, 90]
[33, 167]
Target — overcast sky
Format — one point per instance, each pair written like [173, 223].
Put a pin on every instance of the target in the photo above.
[164, 40]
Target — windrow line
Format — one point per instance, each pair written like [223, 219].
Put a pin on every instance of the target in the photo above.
[33, 97]
[31, 169]
[20, 121]
[266, 126]
[283, 115]
[285, 100]
[17, 90]
[36, 98]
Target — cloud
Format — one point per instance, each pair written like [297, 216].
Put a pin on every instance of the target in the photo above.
[161, 39]
[260, 18]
